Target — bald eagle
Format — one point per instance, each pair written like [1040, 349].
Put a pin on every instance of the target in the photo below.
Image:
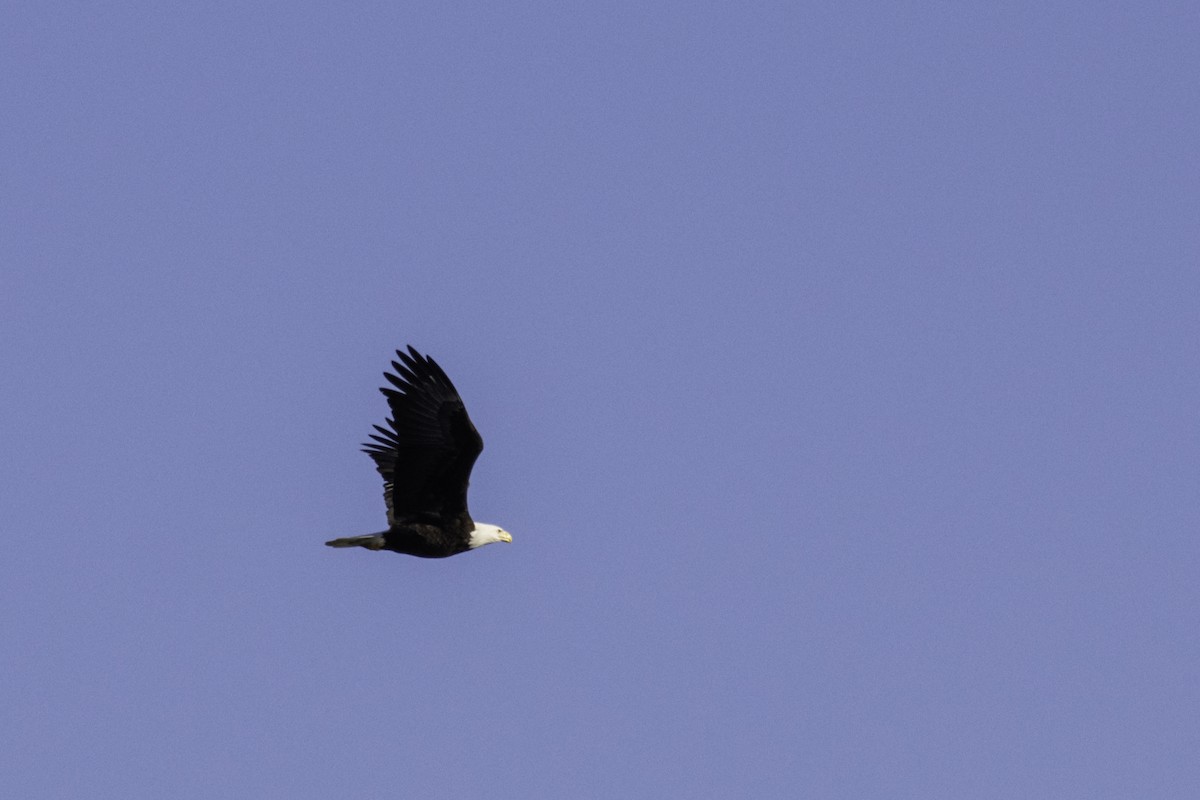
[425, 455]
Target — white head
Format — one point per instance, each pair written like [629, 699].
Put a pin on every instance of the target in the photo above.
[487, 534]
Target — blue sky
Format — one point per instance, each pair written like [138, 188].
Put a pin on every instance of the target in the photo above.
[836, 364]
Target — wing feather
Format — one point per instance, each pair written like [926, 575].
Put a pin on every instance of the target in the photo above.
[426, 452]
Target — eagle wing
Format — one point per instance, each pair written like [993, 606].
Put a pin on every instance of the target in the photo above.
[426, 452]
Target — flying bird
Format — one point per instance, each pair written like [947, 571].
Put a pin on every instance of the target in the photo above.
[425, 455]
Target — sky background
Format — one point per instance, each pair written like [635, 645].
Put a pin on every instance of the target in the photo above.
[836, 363]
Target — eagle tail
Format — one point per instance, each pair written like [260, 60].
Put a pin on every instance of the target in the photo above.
[372, 541]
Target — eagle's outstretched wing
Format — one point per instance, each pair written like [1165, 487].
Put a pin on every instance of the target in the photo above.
[426, 452]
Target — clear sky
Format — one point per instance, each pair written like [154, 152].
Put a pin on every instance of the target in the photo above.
[836, 363]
